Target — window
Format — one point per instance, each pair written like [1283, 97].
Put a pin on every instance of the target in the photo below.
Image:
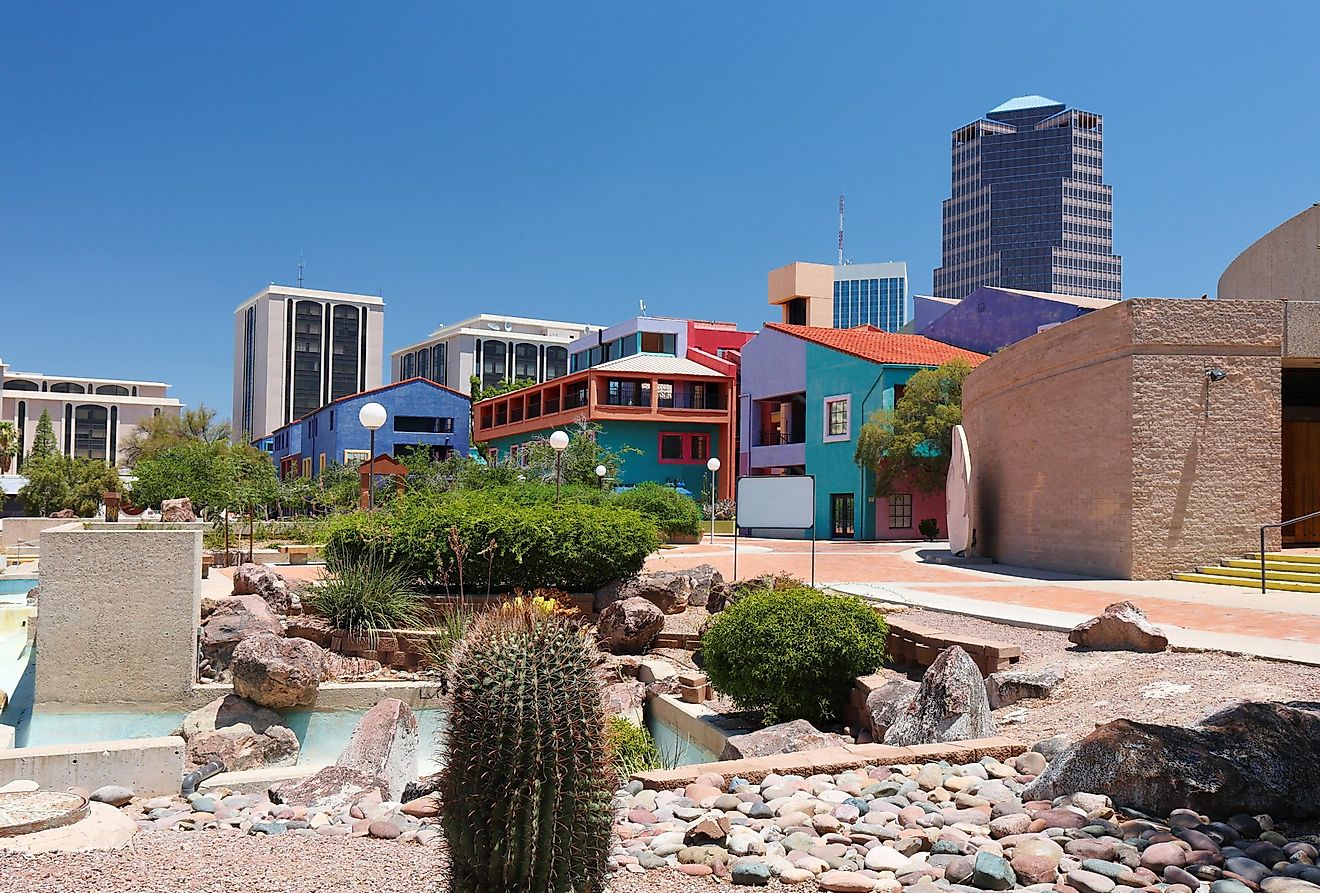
[418, 424]
[112, 390]
[90, 432]
[409, 369]
[628, 392]
[344, 342]
[424, 363]
[356, 457]
[307, 467]
[837, 411]
[685, 448]
[900, 511]
[307, 350]
[320, 467]
[67, 387]
[438, 372]
[524, 361]
[492, 455]
[19, 384]
[494, 363]
[658, 342]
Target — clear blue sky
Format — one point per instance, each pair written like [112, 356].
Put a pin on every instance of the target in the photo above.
[163, 162]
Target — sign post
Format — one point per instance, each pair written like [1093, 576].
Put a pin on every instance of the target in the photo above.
[778, 502]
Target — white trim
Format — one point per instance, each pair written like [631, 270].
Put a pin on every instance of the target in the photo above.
[826, 436]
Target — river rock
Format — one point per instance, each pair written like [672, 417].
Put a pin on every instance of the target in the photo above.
[1010, 686]
[277, 672]
[950, 705]
[1122, 627]
[629, 626]
[240, 734]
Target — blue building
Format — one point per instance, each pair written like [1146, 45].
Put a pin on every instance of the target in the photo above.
[871, 295]
[992, 318]
[418, 413]
[1029, 208]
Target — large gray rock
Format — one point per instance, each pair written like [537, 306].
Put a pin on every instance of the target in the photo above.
[1010, 686]
[1122, 627]
[381, 756]
[707, 585]
[787, 737]
[176, 511]
[886, 703]
[277, 672]
[629, 626]
[238, 733]
[231, 619]
[1253, 757]
[949, 706]
[670, 591]
[257, 579]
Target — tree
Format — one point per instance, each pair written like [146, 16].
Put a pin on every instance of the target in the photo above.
[89, 480]
[44, 443]
[57, 482]
[581, 457]
[192, 469]
[8, 445]
[911, 443]
[164, 431]
[47, 487]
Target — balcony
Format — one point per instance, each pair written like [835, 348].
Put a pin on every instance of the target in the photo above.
[778, 455]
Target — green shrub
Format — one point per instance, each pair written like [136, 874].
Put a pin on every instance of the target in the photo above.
[363, 592]
[793, 653]
[474, 542]
[674, 513]
[631, 748]
[929, 528]
[526, 786]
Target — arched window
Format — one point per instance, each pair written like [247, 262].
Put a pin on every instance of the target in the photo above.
[494, 363]
[19, 384]
[113, 390]
[524, 361]
[556, 362]
[90, 431]
[67, 387]
[424, 363]
[438, 372]
[409, 367]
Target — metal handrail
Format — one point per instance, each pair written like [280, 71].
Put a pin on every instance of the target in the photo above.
[1280, 525]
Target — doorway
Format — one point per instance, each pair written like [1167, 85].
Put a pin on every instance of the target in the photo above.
[1301, 453]
[841, 516]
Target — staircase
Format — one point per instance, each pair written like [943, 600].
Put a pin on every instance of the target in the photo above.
[1294, 573]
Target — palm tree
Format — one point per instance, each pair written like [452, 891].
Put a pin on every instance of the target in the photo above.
[8, 445]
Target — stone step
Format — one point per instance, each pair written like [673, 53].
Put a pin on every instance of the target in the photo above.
[1250, 573]
[1223, 580]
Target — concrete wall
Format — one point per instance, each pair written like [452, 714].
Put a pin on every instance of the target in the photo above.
[26, 530]
[1283, 264]
[1094, 449]
[120, 606]
[150, 766]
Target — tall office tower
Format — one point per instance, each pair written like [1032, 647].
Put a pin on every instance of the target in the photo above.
[871, 294]
[296, 349]
[1029, 208]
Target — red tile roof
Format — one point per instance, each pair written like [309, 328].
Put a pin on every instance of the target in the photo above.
[879, 346]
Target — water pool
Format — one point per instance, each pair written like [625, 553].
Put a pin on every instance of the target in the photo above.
[15, 589]
[676, 749]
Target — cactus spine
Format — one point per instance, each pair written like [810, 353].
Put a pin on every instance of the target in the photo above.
[526, 790]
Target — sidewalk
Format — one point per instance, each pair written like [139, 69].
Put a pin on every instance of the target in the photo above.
[1279, 625]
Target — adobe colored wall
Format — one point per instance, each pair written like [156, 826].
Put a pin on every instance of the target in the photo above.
[1281, 265]
[1094, 450]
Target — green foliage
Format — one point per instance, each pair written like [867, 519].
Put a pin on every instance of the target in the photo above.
[363, 593]
[526, 786]
[674, 514]
[447, 633]
[8, 445]
[57, 482]
[793, 653]
[913, 441]
[631, 748]
[164, 431]
[504, 386]
[215, 475]
[929, 528]
[44, 443]
[480, 541]
[580, 459]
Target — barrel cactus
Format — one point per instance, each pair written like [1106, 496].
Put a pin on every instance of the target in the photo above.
[526, 787]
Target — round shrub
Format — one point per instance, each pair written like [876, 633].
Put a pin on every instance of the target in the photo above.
[674, 514]
[793, 653]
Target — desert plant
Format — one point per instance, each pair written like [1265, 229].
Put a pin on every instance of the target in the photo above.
[674, 514]
[793, 653]
[929, 528]
[526, 786]
[631, 748]
[362, 593]
[8, 445]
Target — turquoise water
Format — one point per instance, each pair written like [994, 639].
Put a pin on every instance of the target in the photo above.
[15, 589]
[676, 749]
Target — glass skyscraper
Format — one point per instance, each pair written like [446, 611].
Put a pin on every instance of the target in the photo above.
[871, 294]
[1029, 208]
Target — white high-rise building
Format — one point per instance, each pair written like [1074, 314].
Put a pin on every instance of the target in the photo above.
[296, 349]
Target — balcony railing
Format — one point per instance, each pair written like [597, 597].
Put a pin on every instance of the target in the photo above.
[777, 438]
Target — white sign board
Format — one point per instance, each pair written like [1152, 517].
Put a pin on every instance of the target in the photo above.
[783, 502]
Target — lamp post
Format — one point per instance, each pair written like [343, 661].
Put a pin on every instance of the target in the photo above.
[600, 475]
[372, 417]
[714, 465]
[559, 443]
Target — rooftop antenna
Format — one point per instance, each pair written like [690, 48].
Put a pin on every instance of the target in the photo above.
[840, 229]
[300, 269]
[641, 302]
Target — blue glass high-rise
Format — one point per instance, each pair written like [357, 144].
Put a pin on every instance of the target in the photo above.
[871, 294]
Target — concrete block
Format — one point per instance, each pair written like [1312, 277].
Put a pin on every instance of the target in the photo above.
[150, 766]
[6, 737]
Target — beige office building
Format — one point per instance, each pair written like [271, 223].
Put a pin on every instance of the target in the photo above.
[296, 349]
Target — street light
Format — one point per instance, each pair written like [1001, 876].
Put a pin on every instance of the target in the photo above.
[372, 417]
[600, 475]
[559, 443]
[714, 465]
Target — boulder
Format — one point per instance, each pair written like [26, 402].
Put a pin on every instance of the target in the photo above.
[1253, 757]
[176, 511]
[787, 737]
[627, 696]
[884, 704]
[950, 705]
[381, 756]
[707, 585]
[277, 672]
[1122, 627]
[230, 620]
[670, 591]
[257, 579]
[629, 626]
[1010, 686]
[238, 733]
[63, 513]
[336, 667]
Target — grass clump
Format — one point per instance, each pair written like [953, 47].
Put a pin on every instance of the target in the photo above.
[362, 592]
